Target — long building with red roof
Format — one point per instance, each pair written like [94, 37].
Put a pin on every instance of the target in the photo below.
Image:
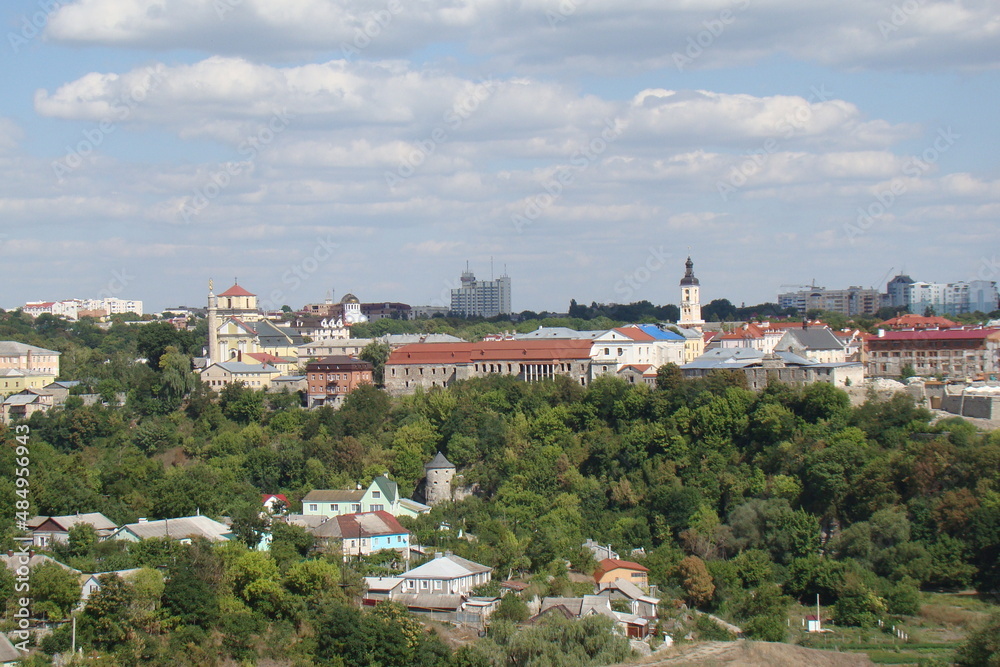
[428, 365]
[953, 353]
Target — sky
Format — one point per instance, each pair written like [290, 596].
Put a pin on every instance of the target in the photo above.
[585, 147]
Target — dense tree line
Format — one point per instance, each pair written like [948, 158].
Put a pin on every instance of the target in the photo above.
[740, 502]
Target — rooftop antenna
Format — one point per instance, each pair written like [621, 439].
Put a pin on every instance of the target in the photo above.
[491, 268]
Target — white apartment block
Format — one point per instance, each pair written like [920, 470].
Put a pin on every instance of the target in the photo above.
[481, 298]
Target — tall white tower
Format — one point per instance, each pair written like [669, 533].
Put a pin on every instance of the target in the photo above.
[690, 299]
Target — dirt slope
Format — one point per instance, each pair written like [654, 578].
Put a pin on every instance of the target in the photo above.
[752, 654]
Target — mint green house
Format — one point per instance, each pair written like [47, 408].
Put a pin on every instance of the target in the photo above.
[381, 495]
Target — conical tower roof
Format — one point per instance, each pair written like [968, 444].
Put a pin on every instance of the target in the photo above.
[439, 461]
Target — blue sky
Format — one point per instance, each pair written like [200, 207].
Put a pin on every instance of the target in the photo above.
[374, 147]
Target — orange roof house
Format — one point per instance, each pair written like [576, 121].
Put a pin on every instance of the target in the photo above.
[610, 569]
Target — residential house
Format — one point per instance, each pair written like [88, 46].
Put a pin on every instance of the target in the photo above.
[360, 534]
[60, 390]
[972, 352]
[47, 530]
[331, 379]
[183, 529]
[91, 583]
[25, 403]
[29, 358]
[639, 374]
[816, 343]
[9, 654]
[600, 551]
[284, 364]
[336, 347]
[446, 573]
[13, 560]
[629, 625]
[381, 494]
[610, 569]
[289, 383]
[640, 603]
[254, 376]
[275, 503]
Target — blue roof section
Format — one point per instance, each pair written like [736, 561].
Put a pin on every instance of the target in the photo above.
[658, 333]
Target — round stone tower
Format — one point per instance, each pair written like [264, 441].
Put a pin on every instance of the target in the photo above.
[439, 472]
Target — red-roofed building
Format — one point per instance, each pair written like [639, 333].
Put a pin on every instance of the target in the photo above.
[331, 379]
[271, 500]
[236, 290]
[912, 321]
[951, 353]
[429, 365]
[611, 569]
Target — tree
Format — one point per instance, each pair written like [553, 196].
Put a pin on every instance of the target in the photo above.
[249, 523]
[109, 613]
[376, 353]
[314, 579]
[983, 645]
[695, 580]
[54, 590]
[763, 612]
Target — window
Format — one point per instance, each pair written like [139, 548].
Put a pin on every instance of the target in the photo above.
[356, 507]
[377, 508]
[376, 494]
[411, 584]
[424, 585]
[437, 584]
[334, 507]
[313, 507]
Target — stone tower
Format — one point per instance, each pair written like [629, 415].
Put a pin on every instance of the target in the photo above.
[690, 299]
[439, 472]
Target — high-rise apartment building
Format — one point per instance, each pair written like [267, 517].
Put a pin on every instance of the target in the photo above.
[850, 301]
[481, 298]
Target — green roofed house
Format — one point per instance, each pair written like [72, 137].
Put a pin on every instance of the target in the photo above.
[382, 495]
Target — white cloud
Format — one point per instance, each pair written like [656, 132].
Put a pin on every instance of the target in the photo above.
[591, 35]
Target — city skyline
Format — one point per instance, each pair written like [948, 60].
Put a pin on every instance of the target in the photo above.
[589, 146]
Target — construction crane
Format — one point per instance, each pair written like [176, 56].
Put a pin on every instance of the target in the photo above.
[881, 282]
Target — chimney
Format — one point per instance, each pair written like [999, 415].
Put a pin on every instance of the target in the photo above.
[438, 554]
[881, 333]
[142, 519]
[239, 356]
